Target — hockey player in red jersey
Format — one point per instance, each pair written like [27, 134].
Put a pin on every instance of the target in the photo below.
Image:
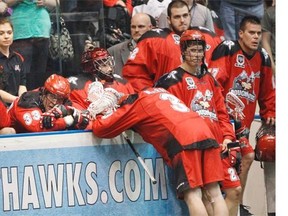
[97, 64]
[196, 87]
[158, 50]
[180, 135]
[46, 109]
[5, 120]
[244, 68]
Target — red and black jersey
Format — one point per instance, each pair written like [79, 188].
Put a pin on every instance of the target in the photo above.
[25, 113]
[79, 85]
[161, 119]
[14, 73]
[203, 95]
[4, 119]
[157, 52]
[249, 77]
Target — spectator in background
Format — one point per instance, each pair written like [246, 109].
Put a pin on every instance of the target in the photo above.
[140, 23]
[268, 32]
[47, 109]
[153, 8]
[233, 11]
[4, 9]
[5, 121]
[200, 16]
[12, 70]
[32, 24]
[214, 6]
[243, 68]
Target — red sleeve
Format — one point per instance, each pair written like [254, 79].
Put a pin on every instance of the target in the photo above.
[129, 7]
[220, 63]
[223, 117]
[109, 3]
[28, 120]
[152, 58]
[122, 119]
[125, 88]
[5, 119]
[112, 3]
[136, 70]
[266, 98]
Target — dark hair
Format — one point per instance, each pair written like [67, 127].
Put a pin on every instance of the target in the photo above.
[249, 19]
[176, 4]
[153, 21]
[4, 20]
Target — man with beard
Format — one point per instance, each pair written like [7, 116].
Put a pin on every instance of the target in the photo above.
[158, 50]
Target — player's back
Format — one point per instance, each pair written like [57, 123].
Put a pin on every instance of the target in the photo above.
[157, 52]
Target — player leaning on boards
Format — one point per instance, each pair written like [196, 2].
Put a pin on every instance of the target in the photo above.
[162, 120]
[47, 109]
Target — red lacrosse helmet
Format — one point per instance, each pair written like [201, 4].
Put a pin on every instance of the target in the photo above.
[57, 85]
[265, 143]
[189, 37]
[93, 59]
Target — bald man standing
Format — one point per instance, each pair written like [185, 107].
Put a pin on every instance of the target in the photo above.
[140, 23]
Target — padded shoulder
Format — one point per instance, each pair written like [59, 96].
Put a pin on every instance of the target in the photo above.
[155, 33]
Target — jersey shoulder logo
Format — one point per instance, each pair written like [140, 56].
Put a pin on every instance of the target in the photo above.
[240, 61]
[190, 83]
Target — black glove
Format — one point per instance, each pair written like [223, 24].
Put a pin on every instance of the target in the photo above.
[47, 120]
[81, 119]
[59, 111]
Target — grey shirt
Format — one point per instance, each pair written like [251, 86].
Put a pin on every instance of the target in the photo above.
[200, 16]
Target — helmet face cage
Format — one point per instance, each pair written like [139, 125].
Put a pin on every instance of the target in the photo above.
[191, 37]
[94, 61]
[104, 67]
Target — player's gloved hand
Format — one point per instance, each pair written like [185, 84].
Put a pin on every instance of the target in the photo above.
[59, 111]
[106, 104]
[47, 120]
[81, 119]
[235, 158]
[76, 118]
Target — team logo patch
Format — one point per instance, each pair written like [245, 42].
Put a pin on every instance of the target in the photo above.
[176, 38]
[240, 61]
[190, 83]
[213, 71]
[73, 80]
[27, 118]
[36, 115]
[17, 68]
[134, 53]
[201, 104]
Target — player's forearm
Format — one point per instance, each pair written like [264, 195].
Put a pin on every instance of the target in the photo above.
[7, 97]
